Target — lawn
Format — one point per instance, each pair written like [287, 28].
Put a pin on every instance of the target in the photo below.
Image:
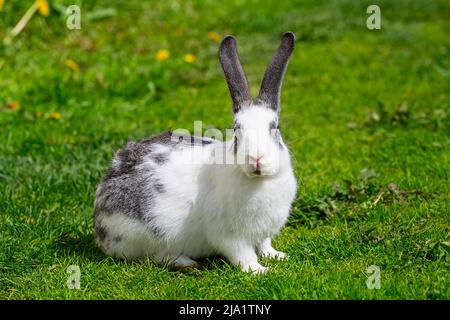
[365, 114]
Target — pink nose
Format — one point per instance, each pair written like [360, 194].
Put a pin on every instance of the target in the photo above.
[256, 159]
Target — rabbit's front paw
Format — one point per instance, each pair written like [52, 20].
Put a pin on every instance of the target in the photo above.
[266, 250]
[274, 254]
[254, 268]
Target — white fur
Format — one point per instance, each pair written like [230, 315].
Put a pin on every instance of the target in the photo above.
[211, 209]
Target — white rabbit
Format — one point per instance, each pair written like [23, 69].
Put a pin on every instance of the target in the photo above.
[166, 199]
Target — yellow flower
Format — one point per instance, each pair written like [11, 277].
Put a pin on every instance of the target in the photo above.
[72, 64]
[162, 54]
[43, 7]
[2, 2]
[189, 58]
[13, 105]
[55, 115]
[214, 36]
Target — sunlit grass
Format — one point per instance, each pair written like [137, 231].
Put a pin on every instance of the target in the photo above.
[353, 99]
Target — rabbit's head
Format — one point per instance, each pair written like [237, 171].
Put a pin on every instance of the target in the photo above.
[257, 139]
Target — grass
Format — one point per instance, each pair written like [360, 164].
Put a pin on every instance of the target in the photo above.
[365, 113]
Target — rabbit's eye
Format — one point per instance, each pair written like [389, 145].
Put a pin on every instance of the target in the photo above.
[237, 129]
[274, 126]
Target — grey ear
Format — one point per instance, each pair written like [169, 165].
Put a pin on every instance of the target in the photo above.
[273, 78]
[234, 74]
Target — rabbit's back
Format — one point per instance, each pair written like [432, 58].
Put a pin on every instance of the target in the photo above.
[148, 192]
[130, 183]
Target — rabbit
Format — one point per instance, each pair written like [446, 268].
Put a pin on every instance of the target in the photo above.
[156, 202]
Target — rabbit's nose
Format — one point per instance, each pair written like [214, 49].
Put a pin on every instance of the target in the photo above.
[256, 159]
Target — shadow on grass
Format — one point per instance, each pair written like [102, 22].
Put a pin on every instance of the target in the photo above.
[82, 246]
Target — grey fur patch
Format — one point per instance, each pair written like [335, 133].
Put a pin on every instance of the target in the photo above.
[100, 232]
[206, 141]
[160, 158]
[131, 188]
[162, 138]
[117, 239]
[133, 154]
[273, 125]
[194, 140]
[150, 221]
[159, 187]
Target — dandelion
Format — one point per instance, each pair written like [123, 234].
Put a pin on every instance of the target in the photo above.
[189, 58]
[13, 105]
[214, 36]
[43, 7]
[162, 54]
[39, 5]
[55, 115]
[72, 65]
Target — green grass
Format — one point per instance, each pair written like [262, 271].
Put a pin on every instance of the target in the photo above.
[367, 110]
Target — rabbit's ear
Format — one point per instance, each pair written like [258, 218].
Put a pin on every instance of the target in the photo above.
[273, 78]
[234, 74]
